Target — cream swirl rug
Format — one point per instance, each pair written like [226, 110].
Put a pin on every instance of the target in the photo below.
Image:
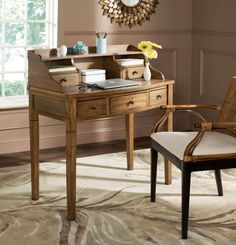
[113, 206]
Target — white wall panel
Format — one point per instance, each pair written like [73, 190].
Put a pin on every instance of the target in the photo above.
[216, 70]
[213, 51]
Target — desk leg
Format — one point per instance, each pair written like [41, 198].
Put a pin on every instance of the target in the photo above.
[71, 124]
[130, 140]
[34, 154]
[168, 164]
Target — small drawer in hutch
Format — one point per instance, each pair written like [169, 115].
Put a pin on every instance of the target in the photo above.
[67, 79]
[132, 72]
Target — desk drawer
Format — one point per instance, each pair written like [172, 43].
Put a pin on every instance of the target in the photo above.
[126, 103]
[158, 97]
[132, 72]
[67, 80]
[92, 108]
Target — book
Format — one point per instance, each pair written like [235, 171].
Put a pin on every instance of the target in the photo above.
[92, 75]
[130, 62]
[91, 72]
[62, 68]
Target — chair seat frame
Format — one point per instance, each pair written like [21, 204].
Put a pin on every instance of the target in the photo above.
[187, 168]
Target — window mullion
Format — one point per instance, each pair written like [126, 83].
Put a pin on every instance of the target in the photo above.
[26, 45]
[3, 43]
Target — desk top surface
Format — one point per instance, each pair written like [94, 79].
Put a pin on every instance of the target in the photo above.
[145, 85]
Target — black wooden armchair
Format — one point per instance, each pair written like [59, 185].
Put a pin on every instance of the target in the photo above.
[212, 147]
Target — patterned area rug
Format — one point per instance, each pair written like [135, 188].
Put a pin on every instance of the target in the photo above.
[113, 206]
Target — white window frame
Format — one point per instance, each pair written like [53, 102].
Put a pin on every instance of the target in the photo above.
[51, 22]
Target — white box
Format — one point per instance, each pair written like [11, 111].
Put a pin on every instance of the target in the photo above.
[93, 75]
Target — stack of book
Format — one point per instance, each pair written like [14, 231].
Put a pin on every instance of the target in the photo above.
[61, 68]
[130, 62]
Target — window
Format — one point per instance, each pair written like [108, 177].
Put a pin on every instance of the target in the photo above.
[24, 24]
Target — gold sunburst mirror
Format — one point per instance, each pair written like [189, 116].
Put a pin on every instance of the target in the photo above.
[128, 12]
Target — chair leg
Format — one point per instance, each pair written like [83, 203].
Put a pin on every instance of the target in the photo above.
[154, 156]
[219, 182]
[186, 181]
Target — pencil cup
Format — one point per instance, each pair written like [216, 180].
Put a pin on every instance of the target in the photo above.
[101, 45]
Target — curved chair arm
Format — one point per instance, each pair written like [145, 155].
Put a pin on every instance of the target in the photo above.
[217, 125]
[206, 126]
[181, 107]
[172, 108]
[223, 127]
[188, 153]
[159, 124]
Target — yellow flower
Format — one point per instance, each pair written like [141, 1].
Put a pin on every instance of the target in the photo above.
[144, 45]
[150, 53]
[156, 45]
[148, 49]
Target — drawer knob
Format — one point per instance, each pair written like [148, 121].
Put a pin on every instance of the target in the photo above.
[134, 73]
[131, 102]
[158, 96]
[93, 107]
[64, 79]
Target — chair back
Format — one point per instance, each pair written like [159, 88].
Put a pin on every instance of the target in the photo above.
[228, 110]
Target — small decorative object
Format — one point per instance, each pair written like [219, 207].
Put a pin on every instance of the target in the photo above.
[147, 72]
[148, 49]
[80, 48]
[101, 42]
[63, 50]
[53, 52]
[128, 12]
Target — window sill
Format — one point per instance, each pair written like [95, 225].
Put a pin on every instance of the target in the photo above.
[12, 103]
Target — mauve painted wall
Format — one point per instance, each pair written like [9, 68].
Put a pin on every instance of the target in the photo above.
[199, 53]
[213, 50]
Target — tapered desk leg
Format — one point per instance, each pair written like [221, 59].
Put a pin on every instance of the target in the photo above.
[168, 165]
[130, 140]
[34, 154]
[71, 123]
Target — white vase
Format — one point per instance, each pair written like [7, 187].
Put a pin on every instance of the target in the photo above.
[63, 50]
[147, 72]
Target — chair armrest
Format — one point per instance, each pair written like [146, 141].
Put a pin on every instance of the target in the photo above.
[223, 127]
[158, 125]
[182, 107]
[207, 126]
[218, 125]
[188, 153]
[187, 108]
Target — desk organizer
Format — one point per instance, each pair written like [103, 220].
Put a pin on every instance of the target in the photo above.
[101, 45]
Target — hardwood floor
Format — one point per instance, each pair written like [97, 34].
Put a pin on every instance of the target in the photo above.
[82, 150]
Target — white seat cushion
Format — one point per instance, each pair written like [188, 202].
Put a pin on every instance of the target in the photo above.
[211, 143]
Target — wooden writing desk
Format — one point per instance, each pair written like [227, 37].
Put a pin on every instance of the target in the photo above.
[58, 96]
